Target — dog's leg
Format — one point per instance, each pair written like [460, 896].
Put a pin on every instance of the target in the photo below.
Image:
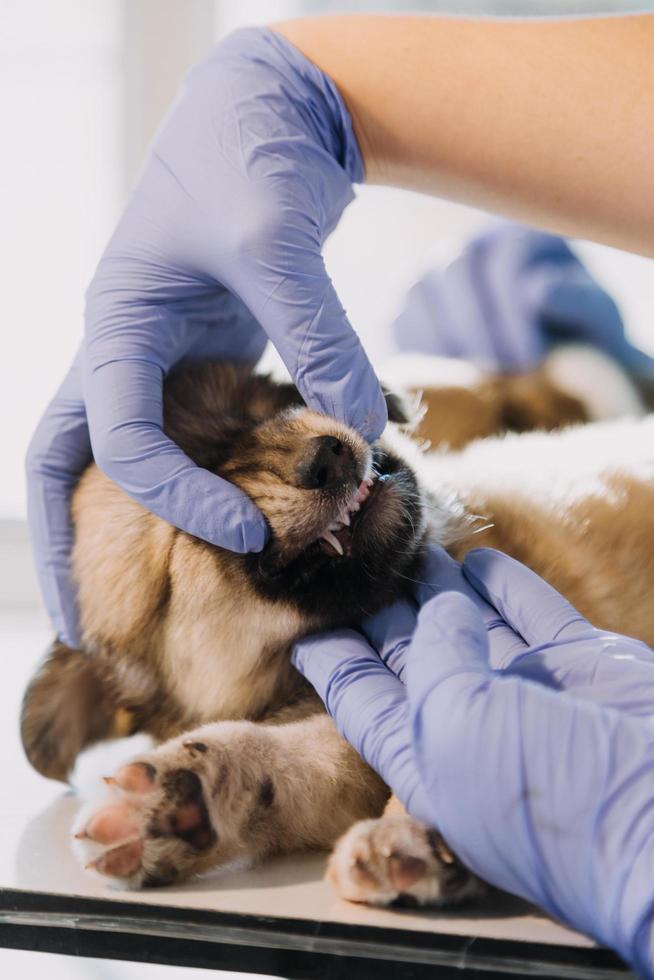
[397, 860]
[227, 791]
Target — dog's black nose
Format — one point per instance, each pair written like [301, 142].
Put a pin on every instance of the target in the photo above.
[327, 463]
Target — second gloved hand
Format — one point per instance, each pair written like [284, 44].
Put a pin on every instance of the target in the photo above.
[512, 295]
[540, 776]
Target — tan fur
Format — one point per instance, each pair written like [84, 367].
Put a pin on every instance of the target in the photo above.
[456, 416]
[576, 506]
[169, 609]
[599, 555]
[182, 639]
[73, 706]
[268, 789]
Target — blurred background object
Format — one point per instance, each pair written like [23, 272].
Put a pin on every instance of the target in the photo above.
[508, 298]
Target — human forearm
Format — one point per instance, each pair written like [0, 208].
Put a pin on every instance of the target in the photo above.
[548, 122]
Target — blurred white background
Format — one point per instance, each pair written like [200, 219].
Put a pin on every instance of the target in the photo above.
[83, 86]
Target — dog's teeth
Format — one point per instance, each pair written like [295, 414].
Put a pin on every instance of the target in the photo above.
[335, 526]
[354, 507]
[369, 482]
[345, 518]
[333, 541]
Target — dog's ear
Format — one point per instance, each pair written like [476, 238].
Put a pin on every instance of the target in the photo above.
[65, 708]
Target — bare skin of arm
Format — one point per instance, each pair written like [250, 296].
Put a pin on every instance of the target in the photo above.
[548, 122]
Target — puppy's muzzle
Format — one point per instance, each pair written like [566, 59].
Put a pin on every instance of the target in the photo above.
[327, 464]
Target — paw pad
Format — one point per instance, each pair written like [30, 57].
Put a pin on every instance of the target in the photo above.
[150, 814]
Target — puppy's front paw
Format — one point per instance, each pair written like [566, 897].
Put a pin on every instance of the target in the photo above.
[154, 827]
[192, 804]
[396, 860]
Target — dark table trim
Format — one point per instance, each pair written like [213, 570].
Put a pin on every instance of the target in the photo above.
[294, 948]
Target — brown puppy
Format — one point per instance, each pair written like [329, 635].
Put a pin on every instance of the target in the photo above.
[178, 633]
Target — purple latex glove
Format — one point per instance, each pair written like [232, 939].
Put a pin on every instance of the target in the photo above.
[539, 775]
[510, 296]
[219, 249]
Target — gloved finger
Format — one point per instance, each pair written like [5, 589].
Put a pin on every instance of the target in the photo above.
[58, 453]
[605, 668]
[450, 623]
[123, 389]
[368, 705]
[290, 293]
[531, 606]
[614, 671]
[441, 573]
[390, 632]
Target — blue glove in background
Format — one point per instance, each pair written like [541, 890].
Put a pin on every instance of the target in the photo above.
[540, 776]
[219, 249]
[507, 299]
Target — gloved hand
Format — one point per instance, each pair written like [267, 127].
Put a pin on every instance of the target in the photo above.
[539, 775]
[510, 296]
[221, 237]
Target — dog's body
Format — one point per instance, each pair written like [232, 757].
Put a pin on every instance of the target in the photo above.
[179, 634]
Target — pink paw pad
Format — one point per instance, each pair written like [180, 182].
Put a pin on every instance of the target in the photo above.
[110, 824]
[148, 813]
[120, 862]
